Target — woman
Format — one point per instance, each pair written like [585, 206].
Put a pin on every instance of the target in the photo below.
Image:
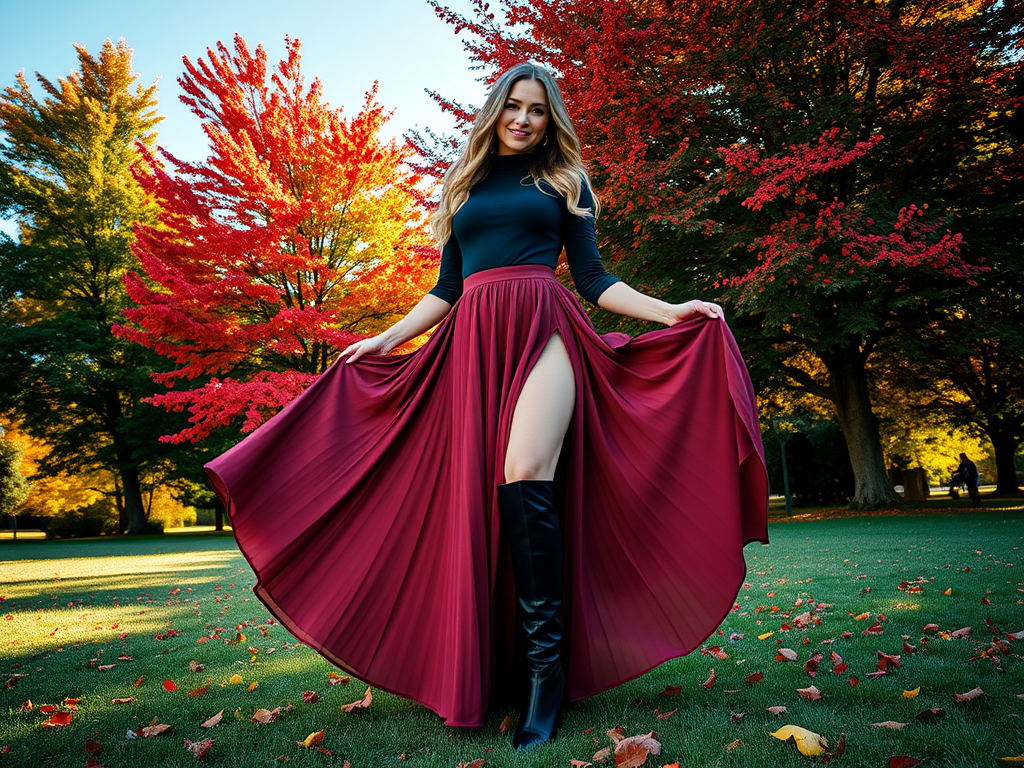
[426, 521]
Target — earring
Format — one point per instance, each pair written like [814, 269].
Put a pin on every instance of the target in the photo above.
[545, 142]
[491, 150]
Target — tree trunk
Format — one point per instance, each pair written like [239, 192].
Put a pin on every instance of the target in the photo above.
[122, 513]
[872, 489]
[1004, 440]
[133, 500]
[218, 516]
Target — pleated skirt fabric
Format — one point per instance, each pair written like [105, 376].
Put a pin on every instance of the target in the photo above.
[367, 507]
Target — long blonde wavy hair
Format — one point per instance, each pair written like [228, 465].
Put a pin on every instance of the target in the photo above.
[558, 162]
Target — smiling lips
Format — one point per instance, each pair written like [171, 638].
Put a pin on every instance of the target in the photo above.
[514, 132]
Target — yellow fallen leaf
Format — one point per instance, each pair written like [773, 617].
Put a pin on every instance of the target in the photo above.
[235, 679]
[911, 694]
[312, 740]
[1019, 759]
[252, 685]
[808, 742]
[765, 636]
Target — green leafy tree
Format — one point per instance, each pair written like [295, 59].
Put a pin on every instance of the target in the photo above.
[13, 487]
[65, 176]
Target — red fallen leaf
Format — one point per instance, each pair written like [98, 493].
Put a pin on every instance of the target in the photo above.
[139, 681]
[665, 715]
[310, 697]
[170, 685]
[735, 716]
[835, 658]
[877, 673]
[507, 723]
[198, 691]
[195, 666]
[710, 682]
[840, 748]
[908, 647]
[26, 706]
[811, 693]
[47, 708]
[785, 654]
[931, 627]
[122, 636]
[123, 701]
[92, 762]
[364, 702]
[199, 748]
[213, 720]
[673, 690]
[92, 747]
[887, 662]
[962, 632]
[840, 668]
[931, 715]
[105, 667]
[72, 703]
[124, 657]
[853, 680]
[903, 761]
[755, 677]
[57, 719]
[971, 694]
[874, 629]
[334, 678]
[986, 601]
[811, 665]
[265, 715]
[632, 752]
[847, 634]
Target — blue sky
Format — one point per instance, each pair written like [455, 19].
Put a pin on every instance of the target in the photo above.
[347, 44]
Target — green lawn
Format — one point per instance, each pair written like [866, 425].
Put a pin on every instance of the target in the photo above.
[66, 605]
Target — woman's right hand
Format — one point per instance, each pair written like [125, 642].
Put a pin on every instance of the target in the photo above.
[378, 344]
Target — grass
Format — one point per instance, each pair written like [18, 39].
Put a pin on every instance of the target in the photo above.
[66, 604]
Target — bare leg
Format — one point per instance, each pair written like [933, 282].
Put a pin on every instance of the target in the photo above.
[541, 416]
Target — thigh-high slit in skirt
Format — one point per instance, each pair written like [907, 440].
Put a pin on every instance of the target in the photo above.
[367, 507]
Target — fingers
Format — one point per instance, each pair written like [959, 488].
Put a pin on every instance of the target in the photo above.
[709, 308]
[355, 350]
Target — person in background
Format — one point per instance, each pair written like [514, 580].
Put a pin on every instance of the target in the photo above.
[967, 473]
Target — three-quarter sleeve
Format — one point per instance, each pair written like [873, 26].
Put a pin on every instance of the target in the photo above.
[449, 279]
[580, 240]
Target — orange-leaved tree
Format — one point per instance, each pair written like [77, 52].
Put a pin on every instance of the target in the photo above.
[301, 233]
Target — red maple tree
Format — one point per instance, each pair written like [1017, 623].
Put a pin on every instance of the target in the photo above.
[759, 151]
[300, 234]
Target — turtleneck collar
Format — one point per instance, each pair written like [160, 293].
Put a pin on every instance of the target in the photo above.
[518, 160]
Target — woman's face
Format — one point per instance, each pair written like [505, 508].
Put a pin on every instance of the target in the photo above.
[523, 118]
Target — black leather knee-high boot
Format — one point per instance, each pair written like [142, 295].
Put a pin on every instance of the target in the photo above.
[531, 522]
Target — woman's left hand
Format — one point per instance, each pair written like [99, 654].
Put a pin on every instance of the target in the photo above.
[696, 307]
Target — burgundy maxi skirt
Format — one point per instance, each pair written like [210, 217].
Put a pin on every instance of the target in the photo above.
[368, 506]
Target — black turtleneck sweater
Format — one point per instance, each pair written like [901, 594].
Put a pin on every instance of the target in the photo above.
[507, 221]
